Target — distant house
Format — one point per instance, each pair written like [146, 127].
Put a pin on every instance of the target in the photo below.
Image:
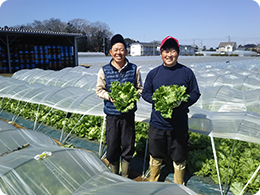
[144, 49]
[227, 47]
[151, 49]
[187, 50]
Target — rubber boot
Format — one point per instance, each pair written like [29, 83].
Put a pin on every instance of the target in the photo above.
[125, 168]
[114, 167]
[155, 168]
[179, 171]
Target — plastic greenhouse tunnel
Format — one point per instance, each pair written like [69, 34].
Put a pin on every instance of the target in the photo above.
[32, 163]
[229, 107]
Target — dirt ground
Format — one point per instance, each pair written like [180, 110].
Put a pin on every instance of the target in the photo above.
[6, 74]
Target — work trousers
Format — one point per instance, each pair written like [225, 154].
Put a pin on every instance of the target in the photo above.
[168, 142]
[120, 136]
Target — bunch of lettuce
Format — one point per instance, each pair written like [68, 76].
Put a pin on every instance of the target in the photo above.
[124, 95]
[168, 97]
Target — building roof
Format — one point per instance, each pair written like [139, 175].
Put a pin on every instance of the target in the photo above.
[187, 46]
[35, 32]
[145, 44]
[223, 44]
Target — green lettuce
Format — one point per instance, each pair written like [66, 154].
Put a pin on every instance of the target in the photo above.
[124, 95]
[168, 97]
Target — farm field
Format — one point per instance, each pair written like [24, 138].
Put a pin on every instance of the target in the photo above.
[228, 111]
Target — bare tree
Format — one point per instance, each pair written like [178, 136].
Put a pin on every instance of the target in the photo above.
[38, 25]
[55, 25]
[80, 25]
[97, 34]
[99, 37]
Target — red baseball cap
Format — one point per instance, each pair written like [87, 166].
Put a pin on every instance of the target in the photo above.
[169, 38]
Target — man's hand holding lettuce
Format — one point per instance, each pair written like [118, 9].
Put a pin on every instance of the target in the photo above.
[124, 96]
[168, 97]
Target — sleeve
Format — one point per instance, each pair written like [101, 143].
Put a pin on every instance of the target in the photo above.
[148, 88]
[139, 84]
[193, 91]
[101, 91]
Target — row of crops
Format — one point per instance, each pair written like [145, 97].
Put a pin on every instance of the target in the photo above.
[87, 126]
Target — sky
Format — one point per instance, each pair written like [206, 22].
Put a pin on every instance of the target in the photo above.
[200, 22]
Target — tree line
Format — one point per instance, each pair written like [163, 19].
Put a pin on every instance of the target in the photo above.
[97, 34]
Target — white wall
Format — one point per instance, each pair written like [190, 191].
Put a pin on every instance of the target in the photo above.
[135, 50]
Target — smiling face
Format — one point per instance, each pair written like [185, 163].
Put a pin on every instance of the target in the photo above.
[118, 53]
[169, 57]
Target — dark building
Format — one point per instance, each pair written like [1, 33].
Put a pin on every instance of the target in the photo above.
[27, 49]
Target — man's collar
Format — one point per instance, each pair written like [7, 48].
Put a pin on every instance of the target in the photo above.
[126, 63]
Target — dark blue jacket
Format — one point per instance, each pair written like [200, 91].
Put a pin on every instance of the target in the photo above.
[176, 75]
[128, 73]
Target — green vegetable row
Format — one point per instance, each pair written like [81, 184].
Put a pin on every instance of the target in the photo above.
[244, 162]
[89, 127]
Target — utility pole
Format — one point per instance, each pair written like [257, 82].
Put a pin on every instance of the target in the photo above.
[153, 48]
[104, 45]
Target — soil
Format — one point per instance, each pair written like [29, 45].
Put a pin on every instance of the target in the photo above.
[6, 74]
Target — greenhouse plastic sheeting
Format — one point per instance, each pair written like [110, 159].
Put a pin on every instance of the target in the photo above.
[76, 77]
[231, 125]
[229, 102]
[69, 99]
[62, 170]
[228, 107]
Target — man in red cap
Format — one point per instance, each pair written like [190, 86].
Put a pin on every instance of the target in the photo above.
[170, 136]
[120, 127]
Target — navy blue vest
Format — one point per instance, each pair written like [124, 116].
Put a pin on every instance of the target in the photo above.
[128, 73]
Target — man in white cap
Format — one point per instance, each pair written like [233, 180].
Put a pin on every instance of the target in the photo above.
[170, 136]
[120, 127]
